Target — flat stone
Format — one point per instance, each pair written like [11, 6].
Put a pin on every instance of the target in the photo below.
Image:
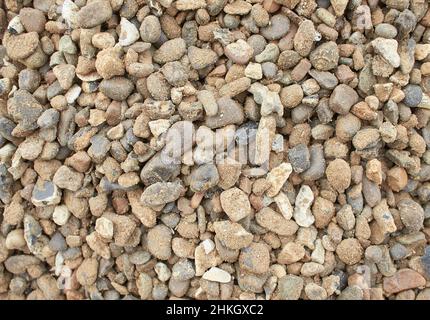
[273, 221]
[117, 88]
[217, 275]
[161, 193]
[229, 112]
[404, 279]
[290, 287]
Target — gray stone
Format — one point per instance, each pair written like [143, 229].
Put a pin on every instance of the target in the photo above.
[161, 193]
[100, 146]
[49, 118]
[156, 170]
[183, 270]
[413, 95]
[425, 261]
[277, 28]
[299, 158]
[229, 112]
[290, 287]
[57, 242]
[25, 110]
[317, 165]
[398, 251]
[325, 79]
[411, 214]
[405, 23]
[117, 88]
[204, 177]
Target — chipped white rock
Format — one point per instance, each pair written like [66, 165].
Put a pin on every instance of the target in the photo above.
[284, 205]
[258, 91]
[387, 48]
[267, 201]
[158, 127]
[271, 104]
[61, 215]
[208, 245]
[208, 101]
[104, 227]
[383, 217]
[6, 152]
[302, 212]
[269, 100]
[69, 12]
[163, 272]
[318, 255]
[254, 71]
[263, 139]
[217, 275]
[278, 143]
[129, 33]
[73, 94]
[15, 26]
[425, 102]
[277, 177]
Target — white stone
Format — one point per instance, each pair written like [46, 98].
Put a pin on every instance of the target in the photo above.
[203, 155]
[6, 152]
[284, 205]
[387, 48]
[258, 91]
[318, 255]
[208, 101]
[15, 239]
[422, 51]
[15, 25]
[267, 201]
[104, 227]
[218, 275]
[208, 245]
[158, 127]
[271, 104]
[73, 93]
[129, 33]
[302, 213]
[277, 177]
[425, 102]
[254, 71]
[278, 143]
[61, 215]
[69, 12]
[163, 272]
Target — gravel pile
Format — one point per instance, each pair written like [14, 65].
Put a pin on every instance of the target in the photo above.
[215, 149]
